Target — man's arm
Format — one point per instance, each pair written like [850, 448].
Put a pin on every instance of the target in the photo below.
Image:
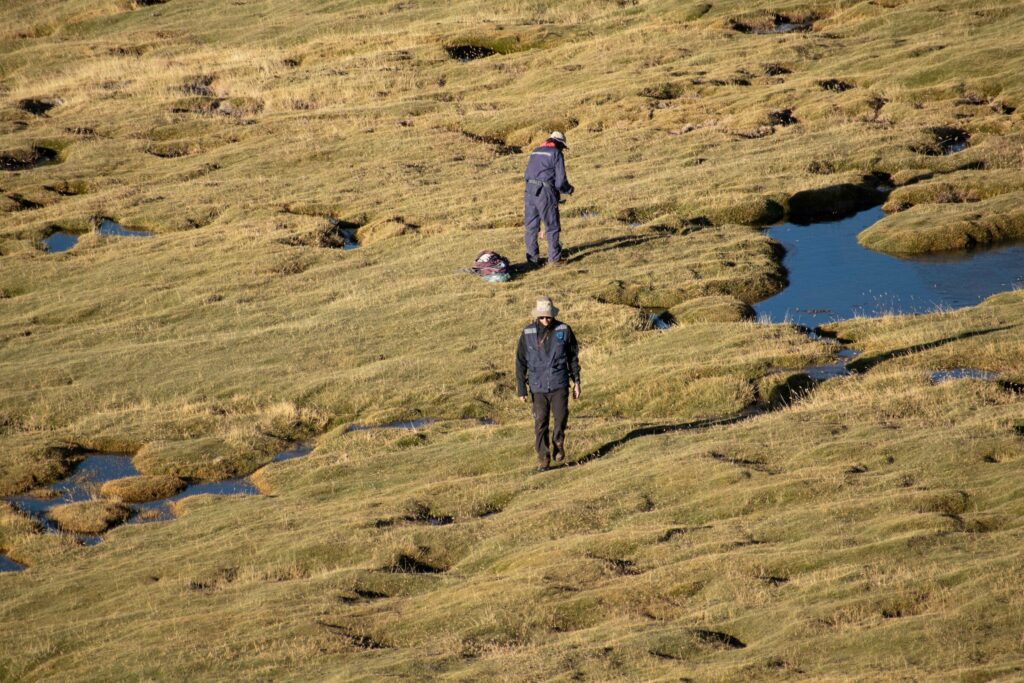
[574, 364]
[521, 367]
[561, 182]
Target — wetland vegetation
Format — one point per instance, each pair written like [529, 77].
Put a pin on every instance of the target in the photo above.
[742, 501]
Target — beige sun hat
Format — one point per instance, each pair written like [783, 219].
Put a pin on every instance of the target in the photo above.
[558, 137]
[544, 308]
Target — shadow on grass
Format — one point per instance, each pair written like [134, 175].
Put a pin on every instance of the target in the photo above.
[655, 430]
[582, 251]
[865, 363]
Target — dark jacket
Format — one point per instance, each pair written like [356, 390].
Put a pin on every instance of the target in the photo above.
[547, 357]
[547, 165]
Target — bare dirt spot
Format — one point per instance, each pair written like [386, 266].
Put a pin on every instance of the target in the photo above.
[835, 85]
[775, 70]
[662, 91]
[420, 513]
[406, 564]
[773, 24]
[719, 639]
[68, 188]
[469, 53]
[740, 462]
[618, 566]
[501, 148]
[173, 149]
[359, 640]
[782, 117]
[200, 85]
[40, 106]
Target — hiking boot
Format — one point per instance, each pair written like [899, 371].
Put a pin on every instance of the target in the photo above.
[556, 264]
[559, 456]
[542, 468]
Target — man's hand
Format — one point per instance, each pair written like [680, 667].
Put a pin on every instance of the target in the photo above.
[576, 391]
[523, 399]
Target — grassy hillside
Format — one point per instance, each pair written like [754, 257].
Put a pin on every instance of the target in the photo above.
[866, 531]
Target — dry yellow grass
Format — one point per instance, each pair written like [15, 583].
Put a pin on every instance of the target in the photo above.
[866, 532]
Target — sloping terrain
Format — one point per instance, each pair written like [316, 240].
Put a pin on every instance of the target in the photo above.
[868, 530]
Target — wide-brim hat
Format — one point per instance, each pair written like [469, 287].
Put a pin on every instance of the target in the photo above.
[544, 308]
[557, 136]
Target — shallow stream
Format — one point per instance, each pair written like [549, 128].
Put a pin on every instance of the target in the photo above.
[84, 483]
[832, 277]
[63, 240]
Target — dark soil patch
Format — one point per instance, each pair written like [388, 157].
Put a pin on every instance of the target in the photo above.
[469, 53]
[199, 85]
[662, 91]
[775, 70]
[740, 462]
[501, 148]
[679, 531]
[835, 85]
[782, 117]
[619, 566]
[23, 159]
[68, 188]
[775, 24]
[40, 106]
[719, 639]
[421, 514]
[363, 595]
[774, 580]
[406, 564]
[359, 640]
[148, 3]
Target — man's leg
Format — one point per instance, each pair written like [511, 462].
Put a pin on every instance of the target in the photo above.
[552, 225]
[541, 411]
[559, 401]
[531, 225]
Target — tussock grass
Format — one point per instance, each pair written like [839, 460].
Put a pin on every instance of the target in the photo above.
[862, 528]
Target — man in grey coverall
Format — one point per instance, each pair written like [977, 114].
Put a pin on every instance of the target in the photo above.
[548, 358]
[545, 184]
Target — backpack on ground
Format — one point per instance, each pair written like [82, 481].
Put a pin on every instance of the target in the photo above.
[491, 266]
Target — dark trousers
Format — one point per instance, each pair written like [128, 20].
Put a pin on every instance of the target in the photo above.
[553, 405]
[542, 207]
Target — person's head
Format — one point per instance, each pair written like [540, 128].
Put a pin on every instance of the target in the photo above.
[559, 139]
[544, 310]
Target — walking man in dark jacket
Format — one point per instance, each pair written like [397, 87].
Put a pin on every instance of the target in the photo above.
[548, 359]
[545, 184]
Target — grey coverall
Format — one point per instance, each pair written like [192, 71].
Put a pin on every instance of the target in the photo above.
[545, 183]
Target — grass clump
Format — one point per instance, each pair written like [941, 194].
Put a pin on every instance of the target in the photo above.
[142, 488]
[90, 517]
[209, 458]
[926, 228]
